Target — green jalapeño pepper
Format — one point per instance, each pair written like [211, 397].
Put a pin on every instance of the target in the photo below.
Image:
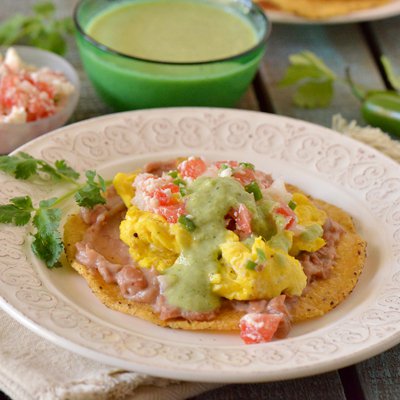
[382, 110]
[379, 108]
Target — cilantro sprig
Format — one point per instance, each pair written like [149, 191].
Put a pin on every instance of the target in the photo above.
[40, 29]
[46, 217]
[24, 166]
[315, 81]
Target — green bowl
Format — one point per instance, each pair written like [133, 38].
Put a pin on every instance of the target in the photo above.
[127, 82]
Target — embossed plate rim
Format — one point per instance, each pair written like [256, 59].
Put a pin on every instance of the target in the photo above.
[296, 143]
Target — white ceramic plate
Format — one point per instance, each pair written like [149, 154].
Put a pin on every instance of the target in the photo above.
[385, 11]
[57, 304]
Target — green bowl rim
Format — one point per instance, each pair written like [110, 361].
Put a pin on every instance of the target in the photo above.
[107, 49]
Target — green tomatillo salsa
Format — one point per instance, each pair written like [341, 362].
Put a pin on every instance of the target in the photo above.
[173, 31]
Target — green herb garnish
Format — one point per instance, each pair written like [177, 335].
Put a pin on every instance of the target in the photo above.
[45, 219]
[251, 265]
[292, 205]
[255, 189]
[313, 78]
[41, 29]
[187, 223]
[315, 85]
[179, 182]
[91, 193]
[23, 166]
[261, 255]
[247, 165]
[173, 174]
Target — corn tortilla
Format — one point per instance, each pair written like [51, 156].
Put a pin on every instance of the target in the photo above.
[319, 298]
[320, 9]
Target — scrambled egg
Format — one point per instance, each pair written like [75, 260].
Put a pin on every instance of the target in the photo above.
[123, 184]
[263, 269]
[276, 271]
[312, 219]
[152, 241]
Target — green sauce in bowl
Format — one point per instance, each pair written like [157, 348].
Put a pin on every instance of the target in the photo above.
[157, 53]
[173, 31]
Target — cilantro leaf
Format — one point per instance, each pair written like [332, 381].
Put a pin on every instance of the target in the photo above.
[60, 171]
[64, 169]
[48, 248]
[314, 80]
[44, 9]
[393, 79]
[314, 94]
[47, 243]
[24, 166]
[21, 166]
[91, 193]
[42, 29]
[47, 219]
[18, 212]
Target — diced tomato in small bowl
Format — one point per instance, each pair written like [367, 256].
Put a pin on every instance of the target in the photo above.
[34, 101]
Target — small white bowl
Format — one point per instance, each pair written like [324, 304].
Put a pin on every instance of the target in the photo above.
[14, 135]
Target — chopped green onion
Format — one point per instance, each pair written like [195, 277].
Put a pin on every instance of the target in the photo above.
[173, 174]
[292, 205]
[182, 190]
[224, 166]
[261, 255]
[179, 182]
[255, 189]
[187, 223]
[251, 265]
[247, 165]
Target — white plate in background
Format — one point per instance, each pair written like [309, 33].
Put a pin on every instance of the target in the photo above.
[388, 10]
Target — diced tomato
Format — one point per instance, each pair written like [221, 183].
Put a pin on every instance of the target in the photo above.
[164, 198]
[172, 212]
[259, 327]
[243, 220]
[45, 87]
[289, 214]
[192, 168]
[35, 97]
[232, 164]
[239, 220]
[264, 180]
[244, 175]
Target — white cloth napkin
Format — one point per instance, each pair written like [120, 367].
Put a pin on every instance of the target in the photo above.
[32, 368]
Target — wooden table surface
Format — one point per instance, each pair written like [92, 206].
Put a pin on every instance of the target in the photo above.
[360, 46]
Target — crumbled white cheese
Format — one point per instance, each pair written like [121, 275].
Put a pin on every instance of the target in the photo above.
[23, 96]
[16, 116]
[225, 173]
[12, 60]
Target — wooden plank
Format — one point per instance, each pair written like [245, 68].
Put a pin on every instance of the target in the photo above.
[385, 37]
[249, 100]
[326, 386]
[380, 376]
[339, 46]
